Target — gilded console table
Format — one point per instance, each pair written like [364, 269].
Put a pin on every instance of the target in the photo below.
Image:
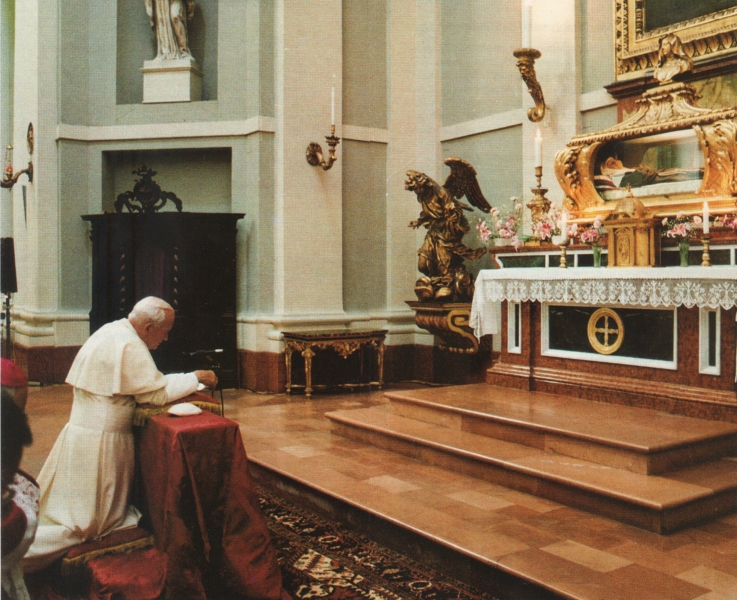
[343, 343]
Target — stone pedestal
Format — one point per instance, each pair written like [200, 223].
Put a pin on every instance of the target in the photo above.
[177, 80]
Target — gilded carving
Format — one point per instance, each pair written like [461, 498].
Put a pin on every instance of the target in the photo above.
[719, 143]
[450, 322]
[669, 108]
[442, 254]
[574, 169]
[526, 58]
[624, 242]
[605, 331]
[637, 49]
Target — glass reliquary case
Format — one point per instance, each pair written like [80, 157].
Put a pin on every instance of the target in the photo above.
[671, 154]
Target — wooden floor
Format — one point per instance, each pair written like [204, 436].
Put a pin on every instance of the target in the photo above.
[569, 552]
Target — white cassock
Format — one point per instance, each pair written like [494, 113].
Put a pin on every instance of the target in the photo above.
[87, 478]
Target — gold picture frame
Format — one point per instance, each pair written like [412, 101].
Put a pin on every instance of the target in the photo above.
[704, 37]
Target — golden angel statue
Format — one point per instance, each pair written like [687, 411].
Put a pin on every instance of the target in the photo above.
[442, 253]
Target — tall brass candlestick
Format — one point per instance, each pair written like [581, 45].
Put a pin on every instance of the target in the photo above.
[706, 257]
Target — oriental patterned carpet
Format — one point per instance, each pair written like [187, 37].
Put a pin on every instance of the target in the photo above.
[322, 559]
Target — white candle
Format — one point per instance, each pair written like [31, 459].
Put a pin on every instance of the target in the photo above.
[538, 148]
[564, 225]
[526, 23]
[332, 107]
[706, 217]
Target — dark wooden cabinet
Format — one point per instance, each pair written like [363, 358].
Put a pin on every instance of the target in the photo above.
[187, 259]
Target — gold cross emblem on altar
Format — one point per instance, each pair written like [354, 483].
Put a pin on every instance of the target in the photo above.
[607, 323]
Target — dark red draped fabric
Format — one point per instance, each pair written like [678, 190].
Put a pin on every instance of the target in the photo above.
[135, 576]
[204, 510]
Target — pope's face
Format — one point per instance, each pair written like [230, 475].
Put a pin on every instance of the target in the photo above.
[153, 335]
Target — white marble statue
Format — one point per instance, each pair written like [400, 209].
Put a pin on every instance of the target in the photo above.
[169, 21]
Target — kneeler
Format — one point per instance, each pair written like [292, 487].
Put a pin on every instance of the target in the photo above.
[122, 565]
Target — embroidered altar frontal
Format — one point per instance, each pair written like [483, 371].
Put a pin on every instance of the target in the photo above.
[657, 338]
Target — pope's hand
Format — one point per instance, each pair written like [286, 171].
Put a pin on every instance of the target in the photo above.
[207, 378]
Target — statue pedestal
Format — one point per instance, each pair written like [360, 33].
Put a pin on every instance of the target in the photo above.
[448, 321]
[176, 80]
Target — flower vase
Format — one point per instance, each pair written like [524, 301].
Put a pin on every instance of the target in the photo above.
[597, 255]
[683, 247]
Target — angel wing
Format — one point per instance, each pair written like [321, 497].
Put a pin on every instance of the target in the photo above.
[462, 182]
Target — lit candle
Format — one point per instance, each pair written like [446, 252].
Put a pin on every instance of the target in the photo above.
[332, 108]
[564, 225]
[706, 217]
[526, 23]
[538, 148]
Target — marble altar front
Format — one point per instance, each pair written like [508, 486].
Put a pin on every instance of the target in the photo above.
[656, 337]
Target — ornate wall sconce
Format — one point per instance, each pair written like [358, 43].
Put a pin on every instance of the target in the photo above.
[9, 177]
[526, 58]
[314, 151]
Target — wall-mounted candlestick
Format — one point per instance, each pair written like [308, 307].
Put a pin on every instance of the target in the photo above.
[10, 178]
[314, 151]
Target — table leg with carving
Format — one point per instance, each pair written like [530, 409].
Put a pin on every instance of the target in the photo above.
[307, 353]
[380, 361]
[288, 359]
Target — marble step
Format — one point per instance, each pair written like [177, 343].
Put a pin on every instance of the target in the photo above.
[662, 504]
[636, 439]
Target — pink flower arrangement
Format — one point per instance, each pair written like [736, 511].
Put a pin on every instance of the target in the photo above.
[680, 227]
[499, 227]
[593, 235]
[548, 225]
[727, 221]
[508, 229]
[484, 232]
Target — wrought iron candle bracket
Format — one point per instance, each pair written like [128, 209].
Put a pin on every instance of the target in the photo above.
[526, 58]
[9, 181]
[9, 177]
[314, 151]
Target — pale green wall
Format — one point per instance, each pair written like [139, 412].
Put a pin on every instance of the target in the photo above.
[496, 156]
[479, 73]
[75, 282]
[199, 177]
[137, 43]
[254, 195]
[364, 63]
[597, 44]
[364, 226]
[596, 120]
[104, 44]
[102, 50]
[364, 163]
[7, 57]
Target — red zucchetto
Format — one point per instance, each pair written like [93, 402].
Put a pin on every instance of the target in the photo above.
[11, 375]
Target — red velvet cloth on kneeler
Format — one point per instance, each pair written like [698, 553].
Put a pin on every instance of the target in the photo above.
[204, 510]
[138, 575]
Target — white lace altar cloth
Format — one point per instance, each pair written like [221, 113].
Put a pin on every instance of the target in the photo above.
[651, 287]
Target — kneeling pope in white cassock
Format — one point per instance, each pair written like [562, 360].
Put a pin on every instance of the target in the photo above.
[87, 478]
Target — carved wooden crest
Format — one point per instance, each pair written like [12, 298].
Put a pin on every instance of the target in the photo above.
[147, 194]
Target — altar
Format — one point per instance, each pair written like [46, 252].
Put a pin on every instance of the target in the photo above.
[660, 338]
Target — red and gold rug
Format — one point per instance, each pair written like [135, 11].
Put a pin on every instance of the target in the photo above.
[322, 559]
